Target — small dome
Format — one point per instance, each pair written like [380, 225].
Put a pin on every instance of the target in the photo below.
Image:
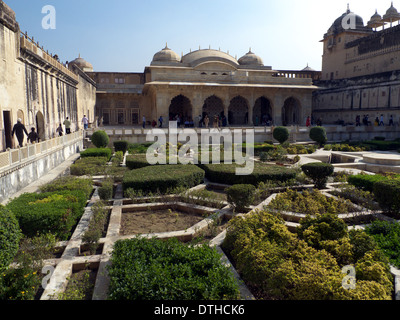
[195, 58]
[166, 55]
[337, 26]
[391, 15]
[308, 68]
[82, 64]
[376, 20]
[251, 59]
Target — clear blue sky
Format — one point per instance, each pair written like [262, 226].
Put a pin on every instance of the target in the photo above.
[123, 35]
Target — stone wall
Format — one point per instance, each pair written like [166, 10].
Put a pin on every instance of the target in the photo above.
[29, 164]
[36, 87]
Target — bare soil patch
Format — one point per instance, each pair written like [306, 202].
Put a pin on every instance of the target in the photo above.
[157, 221]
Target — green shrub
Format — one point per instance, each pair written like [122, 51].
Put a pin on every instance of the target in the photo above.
[89, 166]
[100, 139]
[137, 148]
[387, 194]
[310, 202]
[278, 154]
[226, 173]
[259, 147]
[23, 282]
[280, 265]
[121, 146]
[69, 183]
[281, 134]
[106, 190]
[118, 158]
[97, 152]
[163, 178]
[383, 145]
[154, 269]
[136, 161]
[318, 172]
[10, 235]
[95, 229]
[387, 236]
[50, 212]
[365, 182]
[241, 196]
[318, 134]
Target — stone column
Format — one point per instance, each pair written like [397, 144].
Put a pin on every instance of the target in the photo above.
[277, 108]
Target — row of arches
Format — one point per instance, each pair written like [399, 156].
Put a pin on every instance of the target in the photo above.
[238, 110]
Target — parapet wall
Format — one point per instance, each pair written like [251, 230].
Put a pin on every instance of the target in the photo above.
[20, 167]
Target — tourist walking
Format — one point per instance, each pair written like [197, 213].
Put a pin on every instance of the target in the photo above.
[19, 130]
[85, 122]
[161, 120]
[67, 125]
[33, 137]
[381, 123]
[60, 130]
[144, 122]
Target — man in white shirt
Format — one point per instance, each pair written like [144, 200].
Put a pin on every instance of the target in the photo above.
[85, 122]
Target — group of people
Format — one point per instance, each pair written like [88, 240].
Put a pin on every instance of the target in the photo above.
[19, 130]
[379, 121]
[310, 122]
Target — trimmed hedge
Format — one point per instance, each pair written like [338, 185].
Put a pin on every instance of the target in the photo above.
[241, 196]
[226, 173]
[121, 146]
[387, 193]
[49, 212]
[97, 152]
[69, 183]
[383, 145]
[318, 134]
[365, 182]
[163, 178]
[10, 235]
[318, 172]
[281, 134]
[136, 161]
[162, 270]
[100, 139]
[89, 166]
[259, 148]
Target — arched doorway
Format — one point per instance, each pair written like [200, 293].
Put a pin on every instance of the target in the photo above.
[262, 113]
[182, 107]
[291, 112]
[40, 127]
[238, 113]
[213, 106]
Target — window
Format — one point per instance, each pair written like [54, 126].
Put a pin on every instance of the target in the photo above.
[104, 80]
[119, 80]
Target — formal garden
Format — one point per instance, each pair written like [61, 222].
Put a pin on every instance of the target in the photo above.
[116, 227]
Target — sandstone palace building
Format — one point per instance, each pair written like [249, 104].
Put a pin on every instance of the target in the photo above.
[360, 70]
[360, 76]
[204, 82]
